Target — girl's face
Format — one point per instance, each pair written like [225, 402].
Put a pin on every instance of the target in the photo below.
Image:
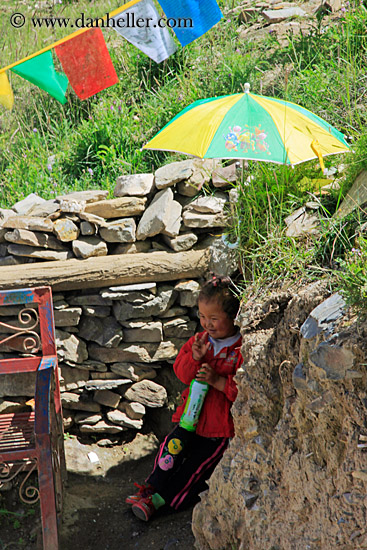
[214, 320]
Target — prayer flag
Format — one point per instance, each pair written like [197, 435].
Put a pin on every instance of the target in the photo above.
[87, 63]
[190, 19]
[6, 93]
[139, 25]
[41, 71]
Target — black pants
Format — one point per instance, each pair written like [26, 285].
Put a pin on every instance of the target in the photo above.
[183, 463]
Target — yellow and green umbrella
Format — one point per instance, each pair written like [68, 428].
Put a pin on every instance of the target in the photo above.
[249, 126]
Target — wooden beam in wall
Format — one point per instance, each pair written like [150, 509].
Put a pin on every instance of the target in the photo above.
[107, 271]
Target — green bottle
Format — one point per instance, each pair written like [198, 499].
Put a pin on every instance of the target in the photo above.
[194, 403]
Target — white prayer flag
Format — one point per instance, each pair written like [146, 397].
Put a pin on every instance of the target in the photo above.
[139, 24]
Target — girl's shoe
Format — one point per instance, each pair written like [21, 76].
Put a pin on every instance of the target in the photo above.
[144, 509]
[143, 492]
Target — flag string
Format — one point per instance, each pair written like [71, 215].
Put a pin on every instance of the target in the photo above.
[70, 36]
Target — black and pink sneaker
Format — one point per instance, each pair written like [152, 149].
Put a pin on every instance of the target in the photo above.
[143, 492]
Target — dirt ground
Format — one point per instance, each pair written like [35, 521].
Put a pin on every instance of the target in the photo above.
[95, 516]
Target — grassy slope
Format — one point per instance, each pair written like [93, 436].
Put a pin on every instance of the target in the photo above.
[49, 148]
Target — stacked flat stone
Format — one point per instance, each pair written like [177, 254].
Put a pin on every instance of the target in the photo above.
[162, 211]
[114, 343]
[111, 346]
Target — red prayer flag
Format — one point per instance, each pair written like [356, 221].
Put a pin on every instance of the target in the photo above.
[87, 63]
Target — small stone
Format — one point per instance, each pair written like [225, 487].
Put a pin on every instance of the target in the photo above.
[157, 216]
[24, 206]
[44, 209]
[72, 378]
[106, 384]
[88, 247]
[65, 230]
[172, 228]
[28, 222]
[84, 196]
[224, 175]
[105, 443]
[138, 287]
[89, 300]
[333, 360]
[133, 371]
[134, 185]
[146, 353]
[135, 411]
[323, 317]
[97, 311]
[73, 401]
[87, 228]
[207, 205]
[182, 242]
[106, 332]
[71, 206]
[133, 248]
[33, 238]
[147, 393]
[276, 16]
[188, 292]
[107, 398]
[39, 253]
[121, 419]
[70, 348]
[146, 332]
[117, 208]
[172, 173]
[86, 418]
[202, 221]
[101, 427]
[67, 317]
[119, 231]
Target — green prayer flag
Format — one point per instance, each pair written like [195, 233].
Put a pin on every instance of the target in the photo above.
[41, 71]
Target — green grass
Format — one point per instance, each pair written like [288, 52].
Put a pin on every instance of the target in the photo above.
[50, 149]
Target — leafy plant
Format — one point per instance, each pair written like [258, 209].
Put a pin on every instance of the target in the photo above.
[353, 275]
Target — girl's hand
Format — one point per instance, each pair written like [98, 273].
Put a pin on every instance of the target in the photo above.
[199, 347]
[207, 374]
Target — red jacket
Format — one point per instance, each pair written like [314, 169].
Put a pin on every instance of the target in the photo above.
[215, 417]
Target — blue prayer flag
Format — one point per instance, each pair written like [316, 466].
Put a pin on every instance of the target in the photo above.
[204, 14]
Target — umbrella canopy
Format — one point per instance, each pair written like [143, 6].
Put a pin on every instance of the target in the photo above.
[249, 126]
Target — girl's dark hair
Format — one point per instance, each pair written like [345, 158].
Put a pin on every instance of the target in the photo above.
[222, 290]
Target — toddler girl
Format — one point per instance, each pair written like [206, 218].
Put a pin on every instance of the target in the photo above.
[186, 459]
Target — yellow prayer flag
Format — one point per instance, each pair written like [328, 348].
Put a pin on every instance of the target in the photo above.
[6, 93]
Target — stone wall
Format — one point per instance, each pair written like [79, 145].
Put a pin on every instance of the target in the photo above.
[294, 476]
[116, 344]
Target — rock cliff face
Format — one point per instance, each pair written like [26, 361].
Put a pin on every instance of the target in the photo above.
[294, 476]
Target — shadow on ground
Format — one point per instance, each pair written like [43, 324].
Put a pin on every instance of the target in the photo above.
[95, 515]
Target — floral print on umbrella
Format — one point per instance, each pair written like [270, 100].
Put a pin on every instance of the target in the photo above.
[245, 139]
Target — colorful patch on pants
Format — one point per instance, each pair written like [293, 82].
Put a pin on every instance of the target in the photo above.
[166, 462]
[175, 446]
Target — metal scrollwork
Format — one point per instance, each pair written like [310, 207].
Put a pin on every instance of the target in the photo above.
[28, 495]
[25, 334]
